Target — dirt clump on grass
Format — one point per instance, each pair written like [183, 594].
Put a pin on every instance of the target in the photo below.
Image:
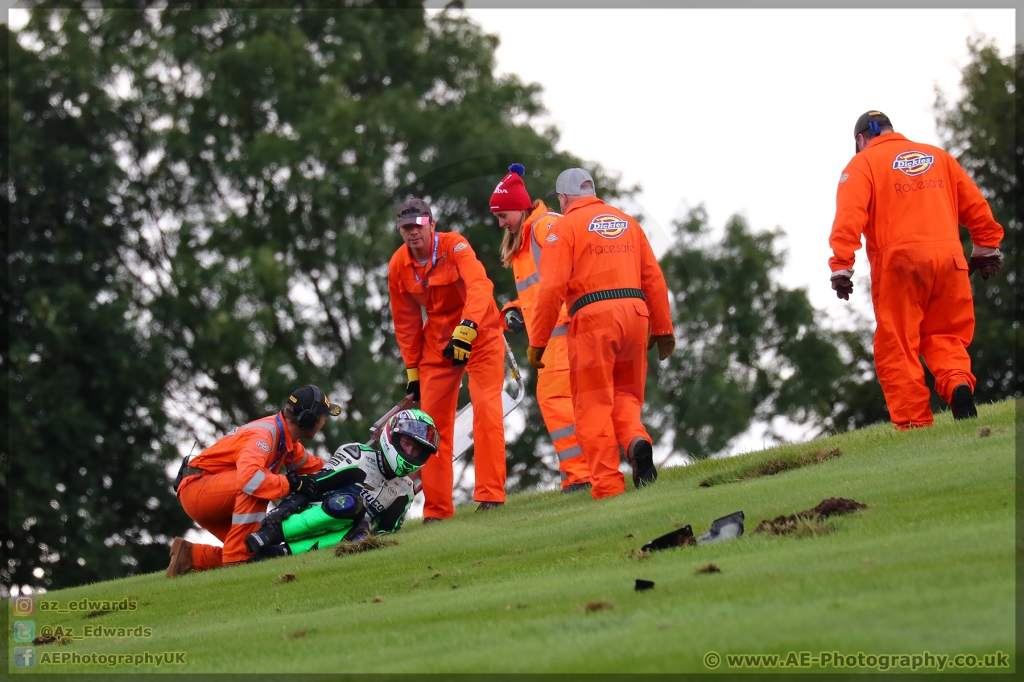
[708, 568]
[287, 578]
[809, 521]
[59, 640]
[599, 605]
[364, 545]
[772, 466]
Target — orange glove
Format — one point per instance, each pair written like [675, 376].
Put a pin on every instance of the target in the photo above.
[534, 354]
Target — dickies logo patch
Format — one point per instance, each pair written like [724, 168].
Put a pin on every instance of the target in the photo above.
[608, 226]
[551, 238]
[843, 178]
[459, 247]
[263, 446]
[913, 163]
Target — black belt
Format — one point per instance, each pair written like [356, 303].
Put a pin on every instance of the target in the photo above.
[606, 295]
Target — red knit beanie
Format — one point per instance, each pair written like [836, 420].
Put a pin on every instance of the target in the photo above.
[510, 194]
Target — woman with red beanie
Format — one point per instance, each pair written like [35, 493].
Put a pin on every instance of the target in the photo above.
[526, 223]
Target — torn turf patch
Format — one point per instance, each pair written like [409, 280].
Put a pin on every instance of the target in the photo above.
[809, 521]
[364, 545]
[770, 467]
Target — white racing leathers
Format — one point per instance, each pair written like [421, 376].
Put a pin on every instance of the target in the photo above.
[360, 470]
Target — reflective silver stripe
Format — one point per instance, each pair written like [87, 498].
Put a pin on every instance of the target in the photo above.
[559, 434]
[241, 519]
[560, 330]
[254, 482]
[298, 465]
[564, 476]
[574, 451]
[528, 282]
[269, 427]
[535, 245]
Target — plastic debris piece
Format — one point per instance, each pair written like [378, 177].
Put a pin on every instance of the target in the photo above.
[642, 585]
[680, 537]
[725, 528]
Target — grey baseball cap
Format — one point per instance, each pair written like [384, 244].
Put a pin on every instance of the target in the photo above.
[412, 211]
[570, 181]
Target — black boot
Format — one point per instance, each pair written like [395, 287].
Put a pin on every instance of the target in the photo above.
[271, 552]
[642, 460]
[963, 403]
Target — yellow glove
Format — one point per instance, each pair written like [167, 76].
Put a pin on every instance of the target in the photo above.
[461, 344]
[666, 344]
[534, 354]
[412, 387]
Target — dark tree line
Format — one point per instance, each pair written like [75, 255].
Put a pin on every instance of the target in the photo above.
[201, 211]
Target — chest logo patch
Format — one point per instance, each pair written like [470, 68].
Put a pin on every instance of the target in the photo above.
[913, 163]
[608, 226]
[459, 247]
[551, 238]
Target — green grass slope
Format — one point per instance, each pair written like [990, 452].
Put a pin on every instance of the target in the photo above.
[929, 566]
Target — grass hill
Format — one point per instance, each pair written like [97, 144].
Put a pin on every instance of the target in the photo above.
[546, 584]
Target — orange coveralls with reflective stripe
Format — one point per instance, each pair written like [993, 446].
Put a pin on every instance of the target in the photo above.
[554, 395]
[596, 247]
[452, 288]
[908, 199]
[229, 498]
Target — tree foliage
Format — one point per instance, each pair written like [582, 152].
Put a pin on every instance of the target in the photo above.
[981, 130]
[749, 348]
[205, 210]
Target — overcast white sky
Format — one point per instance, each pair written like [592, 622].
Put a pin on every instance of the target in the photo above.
[744, 110]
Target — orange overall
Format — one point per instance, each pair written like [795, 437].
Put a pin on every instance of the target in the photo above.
[596, 251]
[908, 199]
[229, 498]
[554, 395]
[452, 286]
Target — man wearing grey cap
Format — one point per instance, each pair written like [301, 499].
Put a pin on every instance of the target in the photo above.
[439, 274]
[597, 260]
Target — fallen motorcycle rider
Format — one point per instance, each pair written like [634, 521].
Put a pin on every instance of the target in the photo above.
[361, 490]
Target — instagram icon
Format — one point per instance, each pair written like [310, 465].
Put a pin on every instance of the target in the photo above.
[24, 606]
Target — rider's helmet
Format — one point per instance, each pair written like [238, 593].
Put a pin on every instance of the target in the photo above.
[402, 460]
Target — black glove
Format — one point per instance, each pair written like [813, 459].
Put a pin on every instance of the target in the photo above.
[514, 320]
[461, 343]
[286, 507]
[412, 386]
[302, 485]
[666, 344]
[843, 286]
[988, 265]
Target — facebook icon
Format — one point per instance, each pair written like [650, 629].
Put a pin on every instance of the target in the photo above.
[24, 656]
